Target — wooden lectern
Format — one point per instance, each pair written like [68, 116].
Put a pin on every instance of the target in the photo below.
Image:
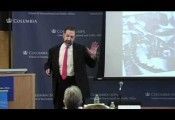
[24, 91]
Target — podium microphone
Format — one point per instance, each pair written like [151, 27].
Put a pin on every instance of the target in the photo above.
[120, 85]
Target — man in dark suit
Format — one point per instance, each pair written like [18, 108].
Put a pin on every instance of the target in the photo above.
[67, 64]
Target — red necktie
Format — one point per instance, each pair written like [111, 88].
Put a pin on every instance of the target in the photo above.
[64, 68]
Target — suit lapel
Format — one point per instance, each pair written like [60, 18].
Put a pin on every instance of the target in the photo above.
[74, 54]
[57, 55]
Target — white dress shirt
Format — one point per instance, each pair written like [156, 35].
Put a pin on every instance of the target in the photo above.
[70, 64]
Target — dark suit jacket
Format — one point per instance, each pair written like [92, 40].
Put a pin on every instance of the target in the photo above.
[80, 58]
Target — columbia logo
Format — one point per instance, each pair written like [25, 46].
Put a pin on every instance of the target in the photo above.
[9, 20]
[25, 52]
[147, 94]
[53, 31]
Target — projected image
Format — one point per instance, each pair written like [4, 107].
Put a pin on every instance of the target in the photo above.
[148, 43]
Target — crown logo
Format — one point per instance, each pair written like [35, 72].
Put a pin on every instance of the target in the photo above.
[9, 20]
[53, 31]
[25, 52]
[147, 94]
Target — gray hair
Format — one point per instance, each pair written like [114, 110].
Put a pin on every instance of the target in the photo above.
[72, 97]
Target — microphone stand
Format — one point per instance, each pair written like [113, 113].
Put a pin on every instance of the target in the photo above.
[120, 92]
[120, 96]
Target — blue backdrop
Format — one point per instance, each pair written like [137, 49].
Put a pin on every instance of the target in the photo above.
[35, 32]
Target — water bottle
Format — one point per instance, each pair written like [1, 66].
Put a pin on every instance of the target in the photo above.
[96, 99]
[112, 105]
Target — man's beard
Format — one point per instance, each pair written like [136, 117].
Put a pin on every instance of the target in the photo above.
[68, 42]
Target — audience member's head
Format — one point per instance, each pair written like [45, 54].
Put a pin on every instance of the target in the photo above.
[96, 106]
[72, 97]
